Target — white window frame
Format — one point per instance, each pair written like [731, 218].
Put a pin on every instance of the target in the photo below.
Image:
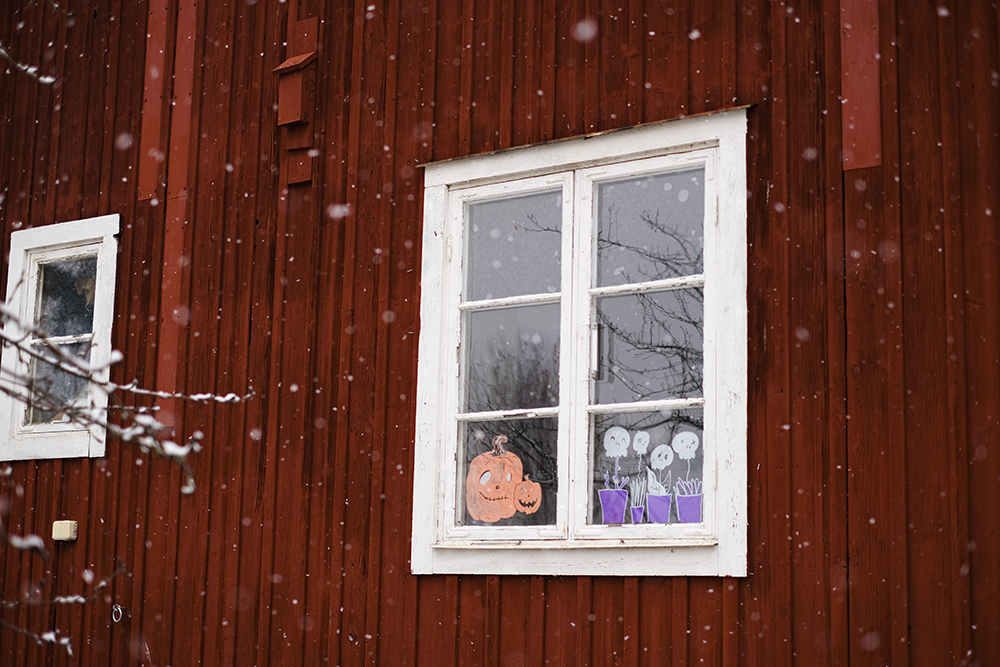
[29, 249]
[717, 545]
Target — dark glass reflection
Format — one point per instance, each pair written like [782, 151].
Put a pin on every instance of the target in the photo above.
[66, 296]
[650, 228]
[533, 442]
[512, 358]
[650, 346]
[56, 388]
[514, 246]
[659, 454]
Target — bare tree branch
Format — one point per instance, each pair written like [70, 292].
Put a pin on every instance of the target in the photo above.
[51, 636]
[86, 598]
[44, 367]
[139, 425]
[57, 637]
[56, 6]
[30, 70]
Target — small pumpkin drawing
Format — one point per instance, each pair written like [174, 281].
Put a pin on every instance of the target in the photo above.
[528, 496]
[492, 480]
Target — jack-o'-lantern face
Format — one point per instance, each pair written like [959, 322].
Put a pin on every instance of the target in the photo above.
[528, 496]
[492, 480]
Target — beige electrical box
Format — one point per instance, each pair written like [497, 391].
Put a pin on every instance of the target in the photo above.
[64, 531]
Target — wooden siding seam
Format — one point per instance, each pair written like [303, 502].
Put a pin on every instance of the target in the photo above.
[352, 609]
[837, 501]
[899, 603]
[957, 374]
[980, 201]
[382, 333]
[778, 397]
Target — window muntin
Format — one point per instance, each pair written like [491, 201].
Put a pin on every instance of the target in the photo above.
[60, 280]
[639, 309]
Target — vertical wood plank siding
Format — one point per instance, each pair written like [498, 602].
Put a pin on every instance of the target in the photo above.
[874, 303]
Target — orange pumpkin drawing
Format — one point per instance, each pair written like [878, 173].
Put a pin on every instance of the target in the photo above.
[491, 482]
[528, 496]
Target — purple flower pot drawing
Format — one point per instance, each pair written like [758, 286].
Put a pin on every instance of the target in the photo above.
[613, 503]
[637, 514]
[659, 508]
[689, 509]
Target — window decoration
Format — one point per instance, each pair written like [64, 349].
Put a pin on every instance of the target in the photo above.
[582, 368]
[495, 490]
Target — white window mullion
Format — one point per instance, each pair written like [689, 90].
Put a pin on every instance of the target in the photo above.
[581, 342]
[566, 354]
[711, 331]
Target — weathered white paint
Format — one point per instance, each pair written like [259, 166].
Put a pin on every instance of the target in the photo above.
[717, 546]
[29, 249]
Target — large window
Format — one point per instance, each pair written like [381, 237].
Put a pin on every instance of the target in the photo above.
[60, 303]
[582, 368]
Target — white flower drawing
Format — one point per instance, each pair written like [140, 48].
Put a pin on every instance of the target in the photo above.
[616, 442]
[685, 444]
[640, 442]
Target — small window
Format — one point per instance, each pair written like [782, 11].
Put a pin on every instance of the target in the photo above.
[60, 293]
[583, 354]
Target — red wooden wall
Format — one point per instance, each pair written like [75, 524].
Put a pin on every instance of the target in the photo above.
[874, 334]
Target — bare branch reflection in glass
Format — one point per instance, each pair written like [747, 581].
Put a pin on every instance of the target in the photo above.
[651, 346]
[512, 358]
[61, 390]
[650, 228]
[66, 292]
[515, 246]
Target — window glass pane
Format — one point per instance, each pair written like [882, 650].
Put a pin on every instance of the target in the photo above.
[512, 358]
[513, 485]
[650, 346]
[55, 388]
[514, 246]
[66, 292]
[650, 228]
[647, 467]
